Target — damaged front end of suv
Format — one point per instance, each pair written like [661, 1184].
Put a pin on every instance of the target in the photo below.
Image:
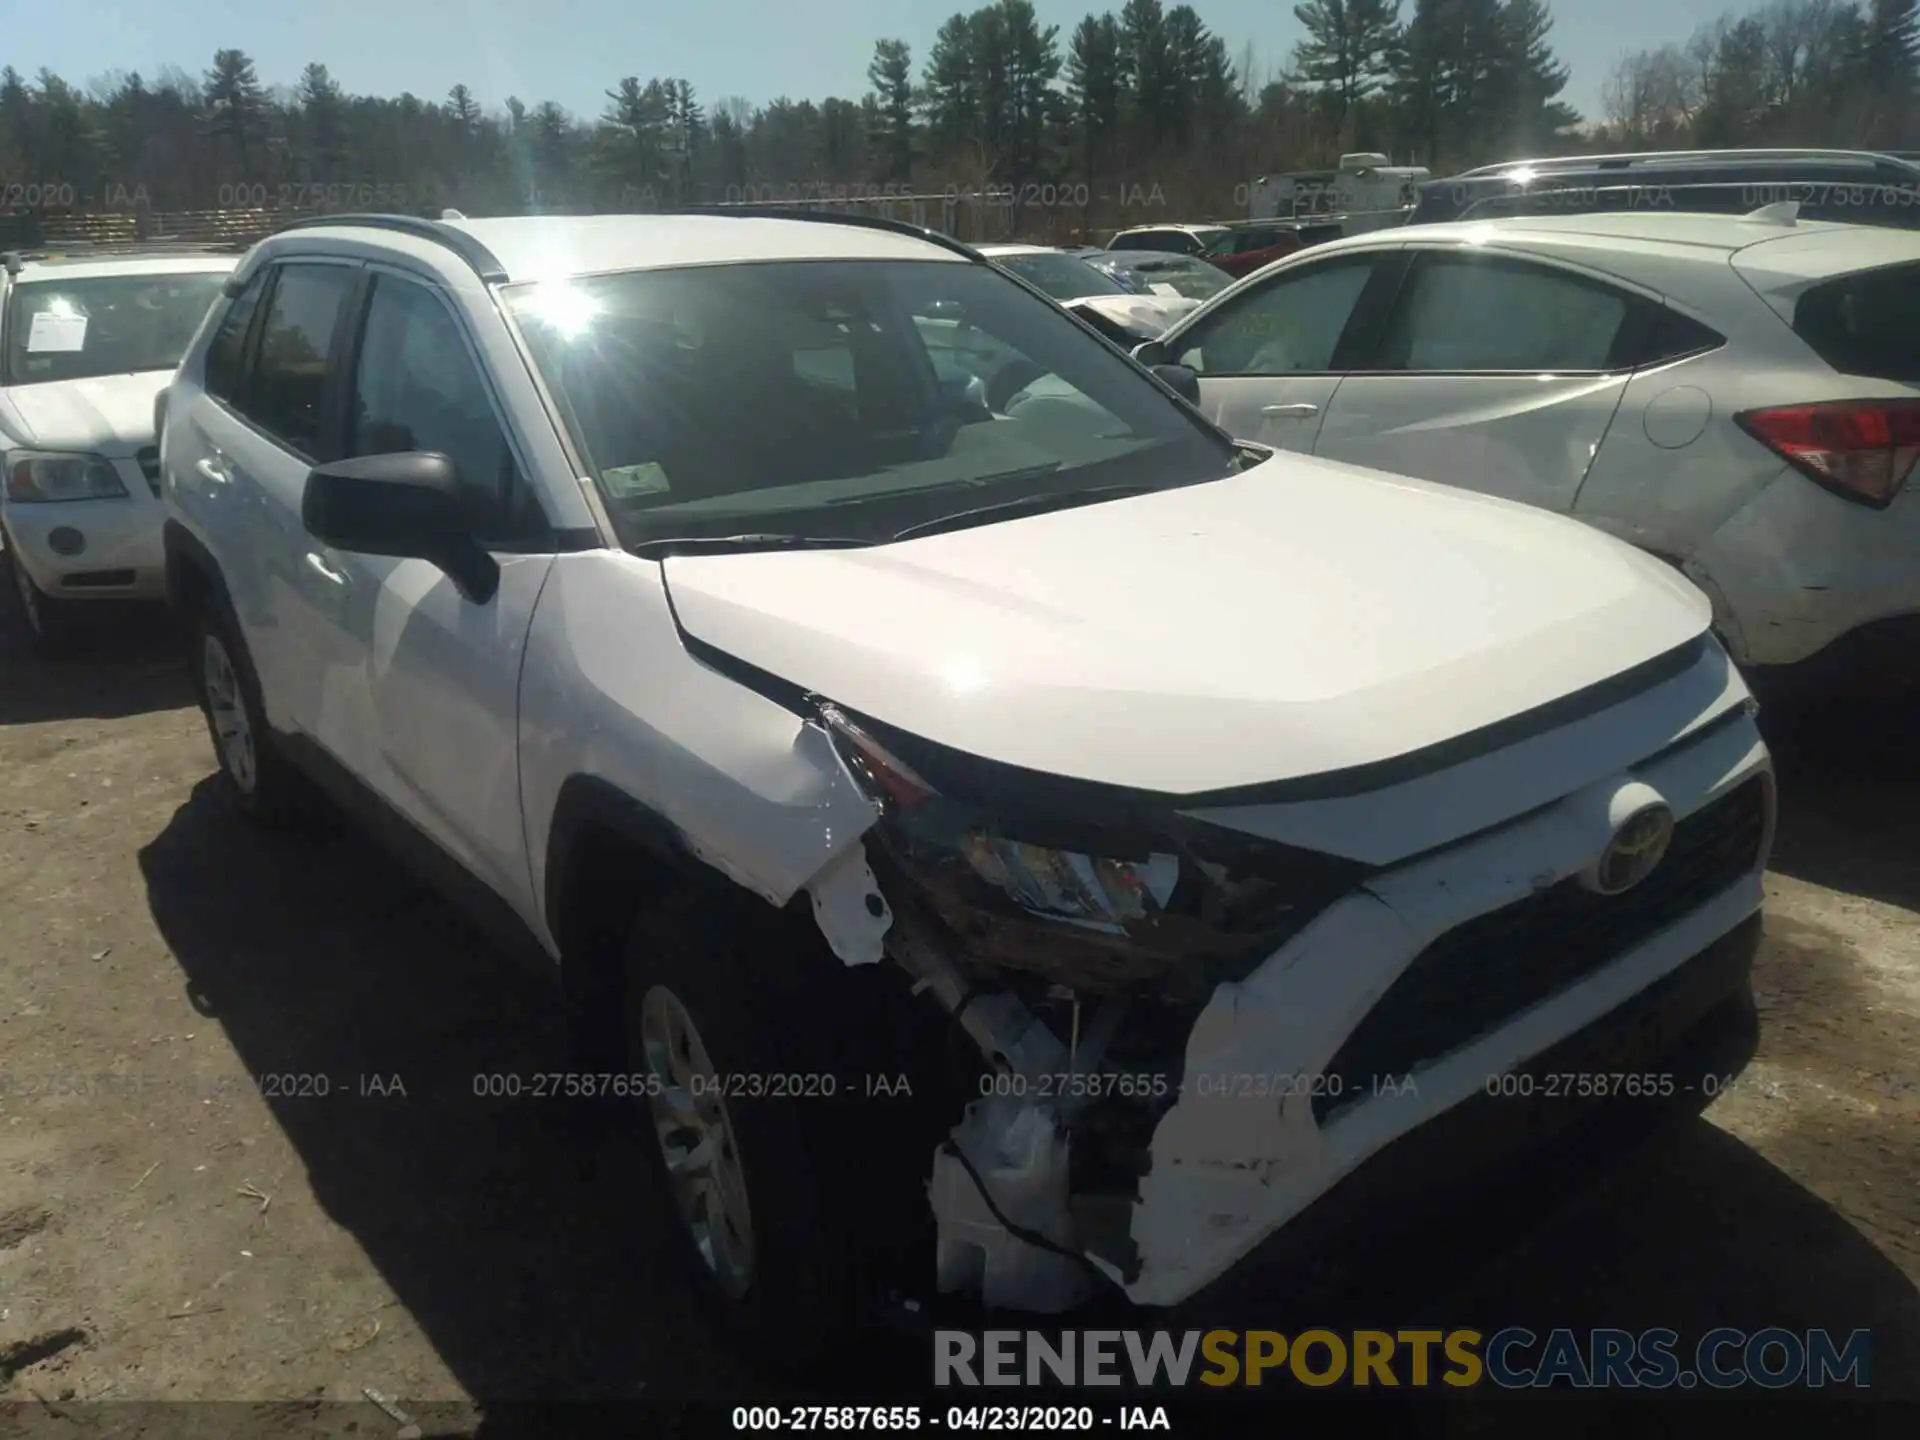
[1184, 1015]
[1075, 933]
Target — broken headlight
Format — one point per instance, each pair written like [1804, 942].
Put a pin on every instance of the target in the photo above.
[1079, 886]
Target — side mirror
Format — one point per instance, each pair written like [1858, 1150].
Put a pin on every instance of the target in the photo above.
[1182, 381]
[1151, 354]
[410, 505]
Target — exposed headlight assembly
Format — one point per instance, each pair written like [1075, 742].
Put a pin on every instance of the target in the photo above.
[33, 477]
[1098, 902]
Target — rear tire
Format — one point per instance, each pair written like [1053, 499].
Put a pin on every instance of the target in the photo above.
[46, 622]
[256, 779]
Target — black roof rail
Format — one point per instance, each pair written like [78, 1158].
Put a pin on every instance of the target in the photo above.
[468, 247]
[834, 217]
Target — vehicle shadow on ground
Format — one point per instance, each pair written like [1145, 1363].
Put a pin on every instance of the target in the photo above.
[1849, 796]
[507, 1232]
[514, 1240]
[124, 660]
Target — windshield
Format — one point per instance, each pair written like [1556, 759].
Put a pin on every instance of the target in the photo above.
[107, 325]
[844, 399]
[1177, 275]
[1064, 277]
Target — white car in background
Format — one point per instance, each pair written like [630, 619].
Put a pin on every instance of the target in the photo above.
[1737, 395]
[87, 344]
[1065, 277]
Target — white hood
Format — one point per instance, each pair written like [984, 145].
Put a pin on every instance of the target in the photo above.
[105, 414]
[1299, 618]
[1154, 313]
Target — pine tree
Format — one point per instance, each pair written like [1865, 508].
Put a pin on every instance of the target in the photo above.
[890, 73]
[1349, 49]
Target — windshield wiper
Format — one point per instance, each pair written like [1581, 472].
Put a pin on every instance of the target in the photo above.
[740, 544]
[1022, 505]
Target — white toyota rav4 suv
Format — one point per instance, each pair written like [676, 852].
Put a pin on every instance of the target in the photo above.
[1235, 820]
[87, 343]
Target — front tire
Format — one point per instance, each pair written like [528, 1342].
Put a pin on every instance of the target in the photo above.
[47, 622]
[724, 1006]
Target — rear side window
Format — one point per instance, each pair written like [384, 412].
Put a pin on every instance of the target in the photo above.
[1473, 313]
[1865, 324]
[226, 354]
[289, 375]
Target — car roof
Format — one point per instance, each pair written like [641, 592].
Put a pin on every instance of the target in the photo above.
[533, 247]
[94, 267]
[1171, 225]
[1664, 227]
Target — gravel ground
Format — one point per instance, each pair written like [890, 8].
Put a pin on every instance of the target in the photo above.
[202, 1225]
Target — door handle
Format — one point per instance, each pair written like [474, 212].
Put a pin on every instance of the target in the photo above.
[209, 470]
[325, 571]
[1289, 412]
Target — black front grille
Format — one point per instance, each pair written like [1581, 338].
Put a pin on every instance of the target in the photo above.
[149, 459]
[1476, 977]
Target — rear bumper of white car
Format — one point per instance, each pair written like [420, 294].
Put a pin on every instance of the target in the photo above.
[1798, 571]
[1416, 965]
[93, 549]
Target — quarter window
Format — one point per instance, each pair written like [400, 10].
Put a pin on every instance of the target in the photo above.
[226, 353]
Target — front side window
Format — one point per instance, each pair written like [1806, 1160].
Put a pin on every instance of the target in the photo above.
[283, 394]
[416, 387]
[1289, 326]
[1478, 313]
[108, 325]
[845, 399]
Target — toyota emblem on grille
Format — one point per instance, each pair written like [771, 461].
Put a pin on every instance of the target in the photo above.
[1636, 850]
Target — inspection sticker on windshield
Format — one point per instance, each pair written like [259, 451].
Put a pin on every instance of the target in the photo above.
[626, 482]
[53, 332]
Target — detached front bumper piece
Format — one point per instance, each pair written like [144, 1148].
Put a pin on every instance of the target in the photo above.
[1697, 1028]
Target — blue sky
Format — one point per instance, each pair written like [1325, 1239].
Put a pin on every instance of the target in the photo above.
[574, 50]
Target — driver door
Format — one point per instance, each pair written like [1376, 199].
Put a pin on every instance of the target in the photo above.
[1271, 356]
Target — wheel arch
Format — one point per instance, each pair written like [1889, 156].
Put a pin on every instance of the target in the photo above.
[607, 855]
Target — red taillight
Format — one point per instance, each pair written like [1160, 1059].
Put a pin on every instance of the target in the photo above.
[1862, 449]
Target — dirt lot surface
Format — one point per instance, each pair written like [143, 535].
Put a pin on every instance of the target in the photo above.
[241, 1157]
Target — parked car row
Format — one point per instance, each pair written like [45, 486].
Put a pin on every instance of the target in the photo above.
[831, 659]
[827, 648]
